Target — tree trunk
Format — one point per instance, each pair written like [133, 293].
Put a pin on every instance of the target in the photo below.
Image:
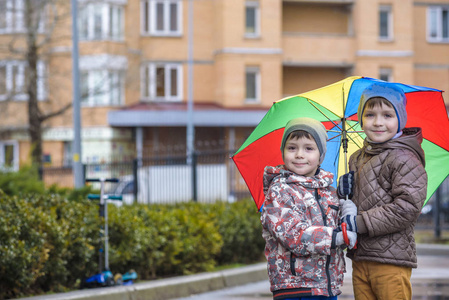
[34, 115]
[35, 125]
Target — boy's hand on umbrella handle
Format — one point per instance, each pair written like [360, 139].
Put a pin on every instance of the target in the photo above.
[349, 237]
[345, 185]
[349, 222]
[347, 207]
[339, 240]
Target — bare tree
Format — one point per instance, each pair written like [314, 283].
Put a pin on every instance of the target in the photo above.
[31, 32]
[44, 39]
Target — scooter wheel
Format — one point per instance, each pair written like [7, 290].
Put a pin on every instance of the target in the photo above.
[110, 281]
[118, 279]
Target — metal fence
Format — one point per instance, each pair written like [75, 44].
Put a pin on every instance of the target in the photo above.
[210, 176]
[205, 177]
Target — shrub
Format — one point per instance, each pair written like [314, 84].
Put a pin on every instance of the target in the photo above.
[163, 240]
[239, 225]
[25, 181]
[50, 241]
[46, 242]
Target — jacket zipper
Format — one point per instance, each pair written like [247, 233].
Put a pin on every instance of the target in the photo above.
[328, 257]
[292, 263]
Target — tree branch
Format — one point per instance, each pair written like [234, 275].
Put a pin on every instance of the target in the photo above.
[43, 117]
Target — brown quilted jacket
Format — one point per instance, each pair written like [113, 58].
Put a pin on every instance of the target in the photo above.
[390, 190]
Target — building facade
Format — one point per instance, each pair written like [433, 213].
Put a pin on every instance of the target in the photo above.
[145, 63]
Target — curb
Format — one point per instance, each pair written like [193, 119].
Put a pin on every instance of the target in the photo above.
[184, 286]
[175, 287]
[432, 249]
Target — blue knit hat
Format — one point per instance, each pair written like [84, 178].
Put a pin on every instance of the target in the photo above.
[315, 128]
[390, 92]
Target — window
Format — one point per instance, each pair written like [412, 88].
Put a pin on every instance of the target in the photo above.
[67, 159]
[3, 81]
[252, 84]
[3, 16]
[162, 17]
[14, 80]
[385, 23]
[438, 24]
[12, 15]
[102, 87]
[252, 19]
[385, 74]
[9, 155]
[162, 82]
[100, 21]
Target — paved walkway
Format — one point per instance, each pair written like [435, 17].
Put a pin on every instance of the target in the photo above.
[436, 267]
[430, 281]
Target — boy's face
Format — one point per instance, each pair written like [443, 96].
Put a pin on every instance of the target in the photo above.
[301, 156]
[380, 123]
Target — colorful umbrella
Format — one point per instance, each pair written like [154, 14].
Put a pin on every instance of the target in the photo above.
[336, 106]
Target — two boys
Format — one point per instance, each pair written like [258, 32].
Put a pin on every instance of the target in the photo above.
[300, 216]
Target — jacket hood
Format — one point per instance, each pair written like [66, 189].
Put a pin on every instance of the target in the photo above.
[321, 180]
[410, 139]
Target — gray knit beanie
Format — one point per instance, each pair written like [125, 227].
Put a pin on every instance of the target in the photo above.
[389, 92]
[315, 128]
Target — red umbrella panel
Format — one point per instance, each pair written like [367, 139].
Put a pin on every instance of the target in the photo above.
[336, 106]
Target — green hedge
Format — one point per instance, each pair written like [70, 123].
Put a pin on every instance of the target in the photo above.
[50, 241]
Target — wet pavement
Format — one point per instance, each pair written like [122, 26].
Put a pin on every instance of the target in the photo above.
[430, 281]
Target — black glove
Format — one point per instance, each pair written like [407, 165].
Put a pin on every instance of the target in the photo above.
[345, 185]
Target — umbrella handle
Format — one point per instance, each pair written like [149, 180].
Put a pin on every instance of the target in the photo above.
[344, 229]
[345, 233]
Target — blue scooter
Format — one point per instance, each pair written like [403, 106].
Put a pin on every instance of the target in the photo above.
[104, 277]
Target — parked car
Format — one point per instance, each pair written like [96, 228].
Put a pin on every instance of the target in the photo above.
[124, 188]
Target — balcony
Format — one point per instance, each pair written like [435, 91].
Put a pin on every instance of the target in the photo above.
[318, 33]
[318, 50]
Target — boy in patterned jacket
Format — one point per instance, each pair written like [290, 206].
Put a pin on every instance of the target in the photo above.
[300, 218]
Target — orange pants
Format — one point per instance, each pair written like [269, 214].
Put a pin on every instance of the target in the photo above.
[377, 281]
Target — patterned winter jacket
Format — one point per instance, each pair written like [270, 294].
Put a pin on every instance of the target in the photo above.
[298, 218]
[390, 190]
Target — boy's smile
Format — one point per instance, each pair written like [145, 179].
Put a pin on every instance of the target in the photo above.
[380, 123]
[301, 156]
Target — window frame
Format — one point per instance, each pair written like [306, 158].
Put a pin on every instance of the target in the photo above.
[67, 157]
[253, 70]
[386, 72]
[384, 8]
[15, 162]
[252, 4]
[438, 10]
[148, 25]
[15, 77]
[108, 82]
[110, 18]
[13, 18]
[149, 82]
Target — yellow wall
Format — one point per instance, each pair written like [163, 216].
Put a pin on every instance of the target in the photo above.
[308, 18]
[300, 80]
[302, 45]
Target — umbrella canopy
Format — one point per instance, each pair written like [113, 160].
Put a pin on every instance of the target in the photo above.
[336, 106]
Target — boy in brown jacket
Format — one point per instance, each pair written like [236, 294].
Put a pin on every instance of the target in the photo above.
[389, 190]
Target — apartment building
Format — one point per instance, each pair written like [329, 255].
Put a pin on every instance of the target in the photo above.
[144, 63]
